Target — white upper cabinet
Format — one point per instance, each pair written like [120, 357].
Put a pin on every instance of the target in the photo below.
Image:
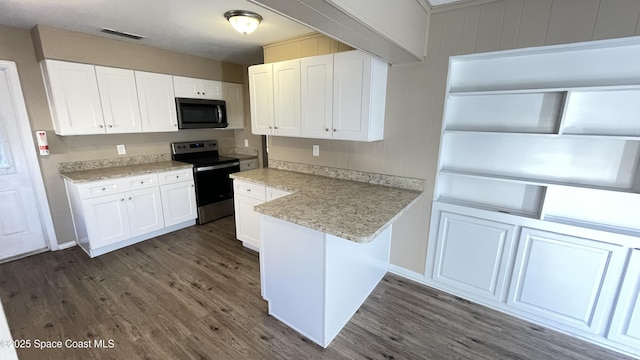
[74, 100]
[157, 102]
[261, 98]
[119, 98]
[316, 96]
[233, 95]
[359, 96]
[186, 87]
[338, 96]
[286, 98]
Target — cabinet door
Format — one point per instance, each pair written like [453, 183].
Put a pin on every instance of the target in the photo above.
[186, 87]
[119, 98]
[107, 220]
[359, 96]
[316, 96]
[261, 98]
[247, 220]
[565, 279]
[157, 102]
[211, 89]
[72, 91]
[473, 255]
[286, 98]
[145, 211]
[178, 202]
[625, 325]
[233, 95]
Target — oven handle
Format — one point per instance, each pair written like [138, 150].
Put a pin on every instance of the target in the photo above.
[215, 167]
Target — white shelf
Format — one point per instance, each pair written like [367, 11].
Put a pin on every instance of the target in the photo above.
[593, 226]
[453, 93]
[531, 181]
[489, 208]
[538, 134]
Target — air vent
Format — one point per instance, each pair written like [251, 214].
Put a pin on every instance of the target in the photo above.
[125, 34]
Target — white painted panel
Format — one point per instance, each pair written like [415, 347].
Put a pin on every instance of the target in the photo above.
[591, 205]
[472, 254]
[157, 102]
[606, 162]
[286, 98]
[261, 98]
[144, 208]
[106, 219]
[233, 95]
[247, 220]
[603, 112]
[178, 202]
[317, 96]
[503, 196]
[535, 112]
[352, 272]
[349, 84]
[550, 266]
[119, 98]
[548, 67]
[12, 221]
[294, 278]
[625, 324]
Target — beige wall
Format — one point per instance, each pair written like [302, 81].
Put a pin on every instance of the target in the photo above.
[415, 93]
[17, 45]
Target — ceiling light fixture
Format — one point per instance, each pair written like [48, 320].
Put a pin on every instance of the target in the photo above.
[244, 21]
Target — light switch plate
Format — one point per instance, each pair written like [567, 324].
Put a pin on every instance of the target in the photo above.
[121, 150]
[246, 142]
[316, 150]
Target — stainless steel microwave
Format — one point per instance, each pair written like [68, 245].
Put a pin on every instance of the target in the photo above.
[200, 113]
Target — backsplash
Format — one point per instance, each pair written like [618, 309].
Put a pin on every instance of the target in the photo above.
[239, 150]
[371, 178]
[105, 163]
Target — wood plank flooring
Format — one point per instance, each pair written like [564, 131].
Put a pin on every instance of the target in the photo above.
[195, 294]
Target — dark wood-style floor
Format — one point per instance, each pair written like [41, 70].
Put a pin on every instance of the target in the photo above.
[195, 294]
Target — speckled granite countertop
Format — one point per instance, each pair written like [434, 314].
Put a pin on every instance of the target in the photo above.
[351, 210]
[122, 171]
[241, 156]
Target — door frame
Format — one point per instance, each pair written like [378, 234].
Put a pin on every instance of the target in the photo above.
[28, 146]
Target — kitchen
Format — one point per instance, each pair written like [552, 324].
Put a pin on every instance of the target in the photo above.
[410, 147]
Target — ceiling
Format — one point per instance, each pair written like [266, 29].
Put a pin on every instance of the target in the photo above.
[195, 27]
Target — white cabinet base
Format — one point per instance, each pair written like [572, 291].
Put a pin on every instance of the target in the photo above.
[93, 252]
[315, 282]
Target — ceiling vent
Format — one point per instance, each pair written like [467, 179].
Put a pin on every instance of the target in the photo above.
[121, 33]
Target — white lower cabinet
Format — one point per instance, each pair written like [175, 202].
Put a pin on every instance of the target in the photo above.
[473, 255]
[625, 324]
[566, 279]
[246, 196]
[111, 214]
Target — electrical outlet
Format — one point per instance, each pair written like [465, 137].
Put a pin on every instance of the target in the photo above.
[246, 142]
[316, 150]
[121, 150]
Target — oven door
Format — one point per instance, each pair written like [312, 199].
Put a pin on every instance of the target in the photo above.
[214, 191]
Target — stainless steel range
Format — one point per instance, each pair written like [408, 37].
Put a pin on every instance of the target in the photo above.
[214, 188]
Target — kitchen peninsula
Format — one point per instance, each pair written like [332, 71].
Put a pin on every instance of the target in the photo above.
[324, 247]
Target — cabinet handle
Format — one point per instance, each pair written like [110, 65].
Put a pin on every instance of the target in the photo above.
[100, 126]
[248, 190]
[175, 124]
[326, 129]
[334, 130]
[141, 182]
[177, 176]
[103, 189]
[203, 93]
[109, 126]
[122, 199]
[192, 185]
[270, 127]
[130, 198]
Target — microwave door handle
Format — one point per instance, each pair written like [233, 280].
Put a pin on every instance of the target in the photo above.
[219, 113]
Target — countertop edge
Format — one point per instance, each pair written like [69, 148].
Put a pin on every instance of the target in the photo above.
[127, 172]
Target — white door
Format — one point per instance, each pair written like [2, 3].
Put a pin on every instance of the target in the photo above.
[107, 219]
[21, 230]
[157, 102]
[352, 95]
[233, 95]
[316, 96]
[473, 255]
[119, 99]
[178, 202]
[625, 325]
[286, 98]
[247, 220]
[212, 89]
[145, 211]
[565, 279]
[261, 98]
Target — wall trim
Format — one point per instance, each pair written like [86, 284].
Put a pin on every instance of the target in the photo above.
[67, 245]
[407, 274]
[33, 166]
[459, 5]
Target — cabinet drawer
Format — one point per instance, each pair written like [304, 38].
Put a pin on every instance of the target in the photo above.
[254, 191]
[171, 177]
[101, 188]
[142, 181]
[248, 164]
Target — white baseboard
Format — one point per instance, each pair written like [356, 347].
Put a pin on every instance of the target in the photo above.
[411, 275]
[67, 245]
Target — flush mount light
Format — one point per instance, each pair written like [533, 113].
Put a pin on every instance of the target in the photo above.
[244, 21]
